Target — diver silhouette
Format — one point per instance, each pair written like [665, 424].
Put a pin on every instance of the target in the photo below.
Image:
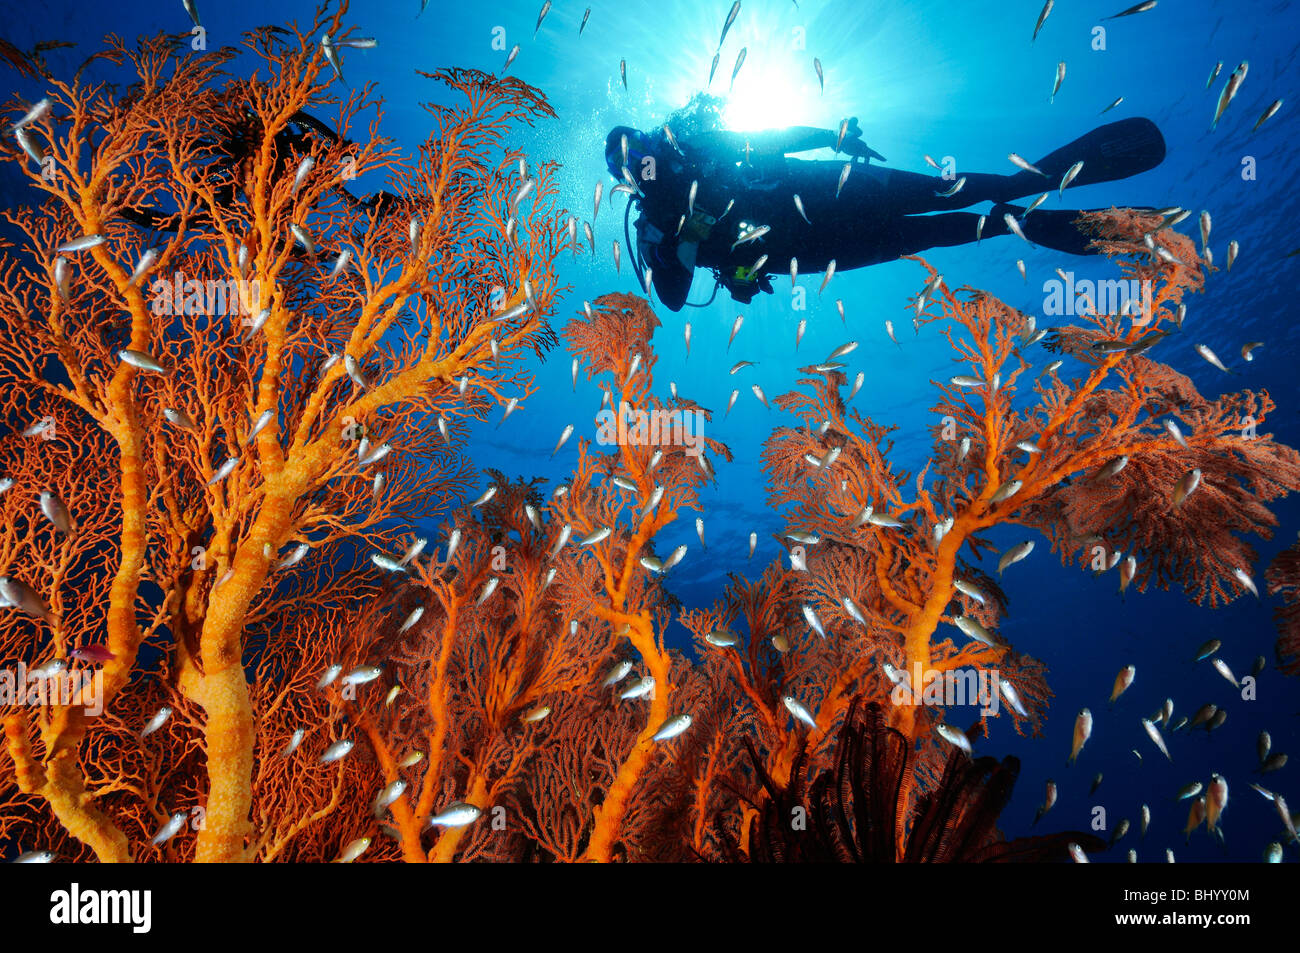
[701, 194]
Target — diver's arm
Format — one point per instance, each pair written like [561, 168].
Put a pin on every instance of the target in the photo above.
[789, 141]
[765, 142]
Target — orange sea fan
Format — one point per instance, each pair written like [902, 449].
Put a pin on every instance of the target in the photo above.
[252, 451]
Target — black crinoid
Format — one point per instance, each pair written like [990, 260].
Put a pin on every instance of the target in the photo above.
[852, 808]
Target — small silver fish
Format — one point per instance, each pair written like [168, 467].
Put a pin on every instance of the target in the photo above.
[303, 237]
[595, 536]
[1138, 8]
[799, 712]
[1017, 161]
[751, 235]
[1060, 77]
[385, 799]
[414, 550]
[33, 115]
[954, 737]
[296, 555]
[616, 674]
[642, 686]
[1233, 249]
[969, 589]
[798, 204]
[1268, 114]
[974, 630]
[583, 25]
[456, 814]
[355, 848]
[170, 829]
[36, 857]
[655, 497]
[1244, 578]
[735, 329]
[263, 420]
[1014, 555]
[81, 244]
[565, 532]
[1221, 667]
[1230, 92]
[142, 361]
[1154, 734]
[1187, 485]
[157, 721]
[1013, 698]
[337, 751]
[844, 177]
[56, 512]
[826, 279]
[810, 616]
[740, 61]
[535, 715]
[1006, 491]
[546, 8]
[1042, 18]
[33, 150]
[514, 51]
[387, 563]
[1175, 431]
[362, 674]
[411, 619]
[489, 587]
[1211, 357]
[1014, 227]
[1214, 74]
[672, 728]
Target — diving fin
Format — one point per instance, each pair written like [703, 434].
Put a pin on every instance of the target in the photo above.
[1114, 151]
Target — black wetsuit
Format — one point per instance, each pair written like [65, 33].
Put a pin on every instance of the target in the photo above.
[880, 213]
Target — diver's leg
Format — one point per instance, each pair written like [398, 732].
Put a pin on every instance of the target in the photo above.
[911, 193]
[1055, 229]
[916, 233]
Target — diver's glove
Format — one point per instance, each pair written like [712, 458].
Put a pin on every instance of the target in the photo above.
[854, 145]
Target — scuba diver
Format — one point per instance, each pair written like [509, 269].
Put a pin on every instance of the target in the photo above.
[699, 195]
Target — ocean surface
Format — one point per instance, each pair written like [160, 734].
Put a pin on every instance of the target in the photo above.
[958, 80]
